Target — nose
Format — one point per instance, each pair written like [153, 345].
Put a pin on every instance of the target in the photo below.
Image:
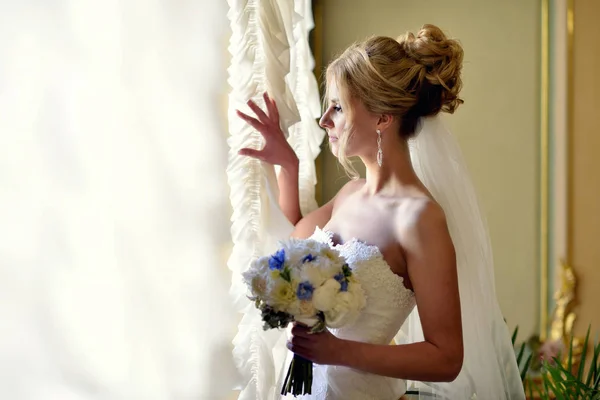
[325, 122]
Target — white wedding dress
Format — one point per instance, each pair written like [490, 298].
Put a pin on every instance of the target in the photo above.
[489, 370]
[389, 303]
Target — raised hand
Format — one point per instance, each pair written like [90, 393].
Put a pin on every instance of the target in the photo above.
[277, 150]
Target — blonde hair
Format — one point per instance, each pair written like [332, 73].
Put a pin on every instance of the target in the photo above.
[409, 78]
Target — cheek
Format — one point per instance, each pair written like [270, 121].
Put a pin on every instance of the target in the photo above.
[360, 140]
[339, 122]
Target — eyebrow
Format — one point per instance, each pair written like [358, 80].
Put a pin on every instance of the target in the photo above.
[334, 100]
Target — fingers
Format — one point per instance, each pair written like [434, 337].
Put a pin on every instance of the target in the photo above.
[258, 154]
[269, 104]
[251, 121]
[262, 117]
[302, 331]
[300, 341]
[300, 349]
[271, 108]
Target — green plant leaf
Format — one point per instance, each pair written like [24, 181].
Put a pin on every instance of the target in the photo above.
[526, 368]
[542, 393]
[520, 355]
[593, 365]
[583, 355]
[549, 387]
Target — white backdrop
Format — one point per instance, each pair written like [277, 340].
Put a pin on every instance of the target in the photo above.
[113, 200]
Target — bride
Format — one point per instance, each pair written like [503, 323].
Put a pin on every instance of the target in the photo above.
[411, 230]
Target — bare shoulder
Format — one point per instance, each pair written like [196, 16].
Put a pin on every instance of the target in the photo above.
[321, 216]
[348, 189]
[419, 218]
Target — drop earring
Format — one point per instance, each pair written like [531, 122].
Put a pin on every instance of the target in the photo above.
[379, 151]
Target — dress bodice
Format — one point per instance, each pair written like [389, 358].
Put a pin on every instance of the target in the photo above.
[388, 304]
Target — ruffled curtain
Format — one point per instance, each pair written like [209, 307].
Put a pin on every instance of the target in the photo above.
[269, 52]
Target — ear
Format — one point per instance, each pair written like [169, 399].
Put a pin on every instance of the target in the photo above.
[384, 121]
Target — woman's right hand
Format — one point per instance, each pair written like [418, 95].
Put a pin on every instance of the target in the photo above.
[277, 150]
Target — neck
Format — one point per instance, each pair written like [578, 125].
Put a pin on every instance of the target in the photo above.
[395, 172]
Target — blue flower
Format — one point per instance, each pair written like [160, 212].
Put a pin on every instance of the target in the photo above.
[308, 258]
[343, 282]
[277, 260]
[305, 291]
[344, 286]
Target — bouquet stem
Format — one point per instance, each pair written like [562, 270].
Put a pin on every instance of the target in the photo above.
[298, 380]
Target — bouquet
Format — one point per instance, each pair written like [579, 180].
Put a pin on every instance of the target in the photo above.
[309, 282]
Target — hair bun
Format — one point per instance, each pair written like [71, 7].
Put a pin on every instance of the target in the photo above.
[441, 59]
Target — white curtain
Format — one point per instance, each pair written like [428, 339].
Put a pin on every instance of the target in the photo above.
[269, 52]
[113, 200]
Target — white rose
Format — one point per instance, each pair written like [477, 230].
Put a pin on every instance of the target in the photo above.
[313, 274]
[335, 318]
[327, 268]
[261, 265]
[358, 294]
[324, 297]
[346, 309]
[281, 294]
[337, 315]
[303, 311]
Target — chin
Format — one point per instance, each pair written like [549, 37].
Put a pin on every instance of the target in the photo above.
[334, 148]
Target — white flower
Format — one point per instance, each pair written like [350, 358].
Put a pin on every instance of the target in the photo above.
[281, 294]
[338, 315]
[316, 266]
[258, 267]
[258, 285]
[261, 265]
[357, 292]
[347, 307]
[314, 274]
[324, 297]
[302, 309]
[297, 249]
[327, 268]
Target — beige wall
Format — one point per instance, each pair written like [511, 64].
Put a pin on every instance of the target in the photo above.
[585, 208]
[498, 126]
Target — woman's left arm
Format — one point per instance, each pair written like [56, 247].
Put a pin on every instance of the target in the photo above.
[432, 270]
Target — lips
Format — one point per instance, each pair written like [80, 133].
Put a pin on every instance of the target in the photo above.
[333, 138]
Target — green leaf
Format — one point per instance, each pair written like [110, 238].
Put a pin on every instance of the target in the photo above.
[514, 335]
[550, 387]
[526, 368]
[594, 366]
[520, 355]
[583, 355]
[346, 270]
[286, 274]
[544, 395]
[320, 325]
